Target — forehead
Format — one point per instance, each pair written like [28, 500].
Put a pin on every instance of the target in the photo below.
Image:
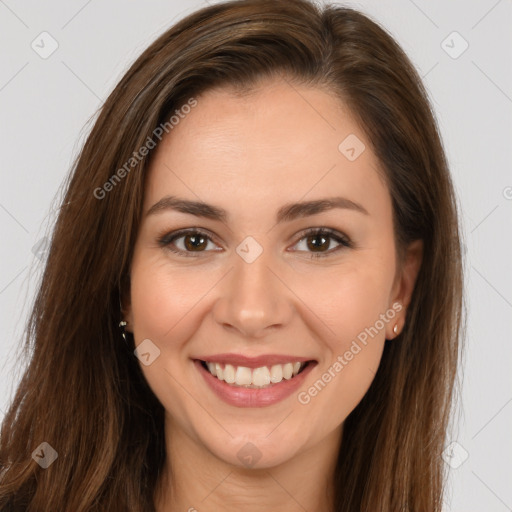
[279, 143]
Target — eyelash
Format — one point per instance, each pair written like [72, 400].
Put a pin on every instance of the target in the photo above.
[167, 240]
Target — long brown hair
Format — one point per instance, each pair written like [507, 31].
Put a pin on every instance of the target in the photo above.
[83, 391]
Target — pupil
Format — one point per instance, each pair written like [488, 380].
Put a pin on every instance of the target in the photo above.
[317, 237]
[198, 243]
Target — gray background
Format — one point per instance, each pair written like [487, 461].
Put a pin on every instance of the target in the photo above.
[46, 103]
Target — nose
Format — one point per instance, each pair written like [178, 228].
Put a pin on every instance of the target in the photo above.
[253, 299]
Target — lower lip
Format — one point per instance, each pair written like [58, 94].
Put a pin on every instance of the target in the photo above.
[251, 397]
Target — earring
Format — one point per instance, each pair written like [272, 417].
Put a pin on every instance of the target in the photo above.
[122, 326]
[395, 329]
[122, 323]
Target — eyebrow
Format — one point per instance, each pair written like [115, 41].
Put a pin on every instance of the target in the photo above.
[286, 213]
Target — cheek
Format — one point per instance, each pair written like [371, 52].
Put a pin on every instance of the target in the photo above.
[348, 298]
[166, 304]
[352, 304]
[164, 297]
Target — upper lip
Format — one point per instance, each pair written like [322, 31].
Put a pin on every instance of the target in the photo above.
[253, 362]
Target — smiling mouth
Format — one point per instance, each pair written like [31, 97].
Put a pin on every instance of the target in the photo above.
[255, 378]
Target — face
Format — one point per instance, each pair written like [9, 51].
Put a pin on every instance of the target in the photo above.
[252, 276]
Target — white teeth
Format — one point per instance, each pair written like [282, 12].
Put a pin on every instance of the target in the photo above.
[229, 374]
[212, 368]
[276, 373]
[261, 376]
[288, 371]
[257, 377]
[243, 376]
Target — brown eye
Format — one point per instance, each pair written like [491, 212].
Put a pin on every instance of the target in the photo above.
[188, 242]
[195, 242]
[317, 242]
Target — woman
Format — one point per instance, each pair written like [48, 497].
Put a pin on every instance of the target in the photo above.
[253, 292]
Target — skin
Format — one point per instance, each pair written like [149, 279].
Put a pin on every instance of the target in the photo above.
[251, 155]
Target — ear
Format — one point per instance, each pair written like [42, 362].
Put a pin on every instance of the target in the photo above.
[404, 285]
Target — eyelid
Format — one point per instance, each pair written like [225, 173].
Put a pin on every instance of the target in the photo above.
[323, 230]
